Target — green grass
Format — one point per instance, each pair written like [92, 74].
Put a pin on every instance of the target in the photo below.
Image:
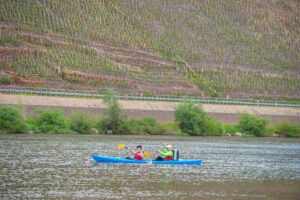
[225, 81]
[5, 80]
[9, 40]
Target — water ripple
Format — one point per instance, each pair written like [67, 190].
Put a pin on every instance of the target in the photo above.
[60, 167]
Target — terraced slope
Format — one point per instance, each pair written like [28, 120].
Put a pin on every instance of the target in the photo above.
[213, 48]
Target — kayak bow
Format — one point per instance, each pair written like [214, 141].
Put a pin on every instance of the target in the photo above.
[116, 160]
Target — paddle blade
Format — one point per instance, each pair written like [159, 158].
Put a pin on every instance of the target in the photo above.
[146, 154]
[121, 146]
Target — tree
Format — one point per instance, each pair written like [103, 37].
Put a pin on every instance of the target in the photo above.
[115, 120]
[191, 118]
[253, 125]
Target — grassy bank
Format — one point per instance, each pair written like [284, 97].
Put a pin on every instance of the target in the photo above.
[190, 119]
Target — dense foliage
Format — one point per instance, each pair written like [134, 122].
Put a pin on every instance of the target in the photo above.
[250, 124]
[11, 119]
[80, 122]
[192, 120]
[50, 121]
[5, 80]
[147, 125]
[115, 121]
[286, 129]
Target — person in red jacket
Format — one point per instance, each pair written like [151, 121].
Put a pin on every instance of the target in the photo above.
[138, 153]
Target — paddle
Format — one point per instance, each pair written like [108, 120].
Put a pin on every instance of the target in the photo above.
[145, 153]
[122, 146]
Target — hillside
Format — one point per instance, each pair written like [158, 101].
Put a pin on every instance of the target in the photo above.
[211, 48]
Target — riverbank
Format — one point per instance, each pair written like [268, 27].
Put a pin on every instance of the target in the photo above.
[162, 111]
[190, 118]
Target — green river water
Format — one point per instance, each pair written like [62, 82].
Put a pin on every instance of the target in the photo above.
[60, 167]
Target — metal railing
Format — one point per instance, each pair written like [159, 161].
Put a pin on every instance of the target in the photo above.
[93, 94]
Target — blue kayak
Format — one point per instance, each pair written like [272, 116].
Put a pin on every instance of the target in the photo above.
[118, 160]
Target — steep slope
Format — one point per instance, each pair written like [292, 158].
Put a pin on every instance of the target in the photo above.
[186, 47]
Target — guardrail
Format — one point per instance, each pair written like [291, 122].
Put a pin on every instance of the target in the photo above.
[77, 93]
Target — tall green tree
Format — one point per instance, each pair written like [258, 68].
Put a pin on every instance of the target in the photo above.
[115, 120]
[191, 118]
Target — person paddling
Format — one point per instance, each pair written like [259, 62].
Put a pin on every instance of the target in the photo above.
[138, 153]
[166, 153]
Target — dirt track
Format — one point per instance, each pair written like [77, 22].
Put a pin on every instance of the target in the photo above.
[161, 110]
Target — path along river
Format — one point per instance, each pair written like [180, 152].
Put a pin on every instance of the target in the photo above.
[60, 167]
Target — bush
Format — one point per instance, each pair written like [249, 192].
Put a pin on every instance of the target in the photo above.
[252, 125]
[160, 129]
[192, 120]
[214, 128]
[80, 122]
[136, 127]
[270, 131]
[231, 128]
[11, 120]
[32, 125]
[99, 125]
[50, 121]
[115, 121]
[171, 128]
[5, 80]
[147, 125]
[151, 126]
[286, 129]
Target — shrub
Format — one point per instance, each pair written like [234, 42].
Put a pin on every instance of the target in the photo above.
[252, 125]
[5, 80]
[270, 131]
[160, 129]
[32, 125]
[115, 121]
[50, 121]
[136, 127]
[147, 125]
[99, 125]
[286, 129]
[80, 122]
[230, 128]
[171, 128]
[191, 118]
[11, 119]
[150, 125]
[214, 128]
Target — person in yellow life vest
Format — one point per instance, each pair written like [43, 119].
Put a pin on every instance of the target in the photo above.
[166, 153]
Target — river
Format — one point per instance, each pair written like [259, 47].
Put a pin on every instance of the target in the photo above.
[60, 167]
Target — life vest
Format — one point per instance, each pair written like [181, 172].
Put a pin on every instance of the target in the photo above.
[169, 158]
[138, 156]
